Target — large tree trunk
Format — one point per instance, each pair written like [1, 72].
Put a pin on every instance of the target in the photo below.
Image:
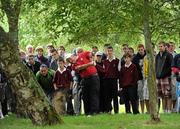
[30, 96]
[28, 91]
[153, 99]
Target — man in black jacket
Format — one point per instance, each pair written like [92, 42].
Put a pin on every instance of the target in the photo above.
[176, 76]
[32, 64]
[176, 66]
[138, 61]
[163, 75]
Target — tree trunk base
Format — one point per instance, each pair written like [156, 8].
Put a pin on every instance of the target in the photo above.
[155, 118]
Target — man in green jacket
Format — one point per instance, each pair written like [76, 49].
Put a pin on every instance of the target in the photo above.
[45, 78]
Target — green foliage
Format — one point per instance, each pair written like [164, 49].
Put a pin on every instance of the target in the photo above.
[166, 24]
[78, 21]
[95, 21]
[89, 22]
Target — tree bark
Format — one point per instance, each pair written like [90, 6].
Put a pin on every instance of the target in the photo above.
[12, 10]
[30, 96]
[153, 99]
[28, 91]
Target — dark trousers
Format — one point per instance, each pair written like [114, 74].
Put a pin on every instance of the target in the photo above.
[70, 109]
[130, 95]
[4, 107]
[111, 94]
[128, 107]
[90, 94]
[101, 97]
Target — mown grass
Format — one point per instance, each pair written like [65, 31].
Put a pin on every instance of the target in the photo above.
[105, 121]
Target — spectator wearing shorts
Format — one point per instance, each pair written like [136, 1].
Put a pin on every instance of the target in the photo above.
[145, 88]
[163, 75]
[138, 61]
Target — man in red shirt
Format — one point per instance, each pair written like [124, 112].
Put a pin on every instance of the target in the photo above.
[83, 64]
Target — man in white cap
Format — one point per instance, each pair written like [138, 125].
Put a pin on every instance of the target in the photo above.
[101, 72]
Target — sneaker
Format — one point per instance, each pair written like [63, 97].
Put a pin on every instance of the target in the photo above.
[89, 116]
[128, 112]
[174, 110]
[6, 116]
[165, 111]
[110, 113]
[168, 111]
[146, 112]
[2, 117]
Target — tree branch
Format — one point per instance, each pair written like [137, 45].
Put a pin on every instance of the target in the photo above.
[164, 23]
[9, 9]
[6, 6]
[17, 6]
[12, 10]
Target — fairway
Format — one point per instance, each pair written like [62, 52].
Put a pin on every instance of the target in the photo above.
[105, 121]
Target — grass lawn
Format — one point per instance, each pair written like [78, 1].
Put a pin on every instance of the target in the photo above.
[105, 121]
